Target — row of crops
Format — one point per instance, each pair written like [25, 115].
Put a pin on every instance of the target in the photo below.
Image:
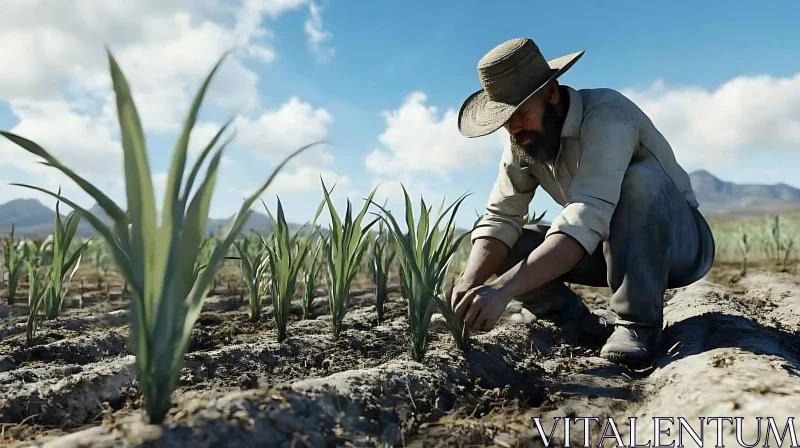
[169, 267]
[772, 239]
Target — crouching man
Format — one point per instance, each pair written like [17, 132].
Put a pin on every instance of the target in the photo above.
[630, 220]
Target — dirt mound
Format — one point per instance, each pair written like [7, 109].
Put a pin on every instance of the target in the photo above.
[730, 350]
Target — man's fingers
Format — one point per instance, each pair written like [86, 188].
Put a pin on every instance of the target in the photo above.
[489, 323]
[473, 313]
[464, 304]
[456, 297]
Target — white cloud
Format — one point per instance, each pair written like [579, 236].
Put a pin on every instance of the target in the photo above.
[416, 140]
[306, 179]
[165, 48]
[201, 136]
[390, 190]
[716, 127]
[277, 133]
[76, 139]
[317, 35]
[59, 87]
[252, 12]
[304, 189]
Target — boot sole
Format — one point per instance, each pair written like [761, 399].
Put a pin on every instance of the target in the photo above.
[627, 359]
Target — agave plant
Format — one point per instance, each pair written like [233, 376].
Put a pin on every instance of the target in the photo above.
[287, 255]
[382, 256]
[158, 258]
[14, 257]
[426, 252]
[344, 251]
[253, 256]
[310, 274]
[63, 266]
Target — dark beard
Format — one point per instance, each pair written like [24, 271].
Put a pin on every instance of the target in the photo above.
[544, 146]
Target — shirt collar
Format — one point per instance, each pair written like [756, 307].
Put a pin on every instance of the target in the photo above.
[572, 123]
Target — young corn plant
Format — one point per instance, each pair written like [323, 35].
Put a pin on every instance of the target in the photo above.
[310, 274]
[204, 255]
[98, 258]
[287, 255]
[531, 218]
[789, 246]
[14, 263]
[426, 252]
[366, 262]
[64, 265]
[158, 258]
[253, 256]
[744, 247]
[37, 251]
[382, 256]
[37, 286]
[344, 251]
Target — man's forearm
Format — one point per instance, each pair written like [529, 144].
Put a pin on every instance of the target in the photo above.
[553, 258]
[485, 258]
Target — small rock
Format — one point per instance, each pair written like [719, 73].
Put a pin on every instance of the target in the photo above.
[320, 304]
[390, 434]
[502, 439]
[72, 302]
[6, 363]
[444, 402]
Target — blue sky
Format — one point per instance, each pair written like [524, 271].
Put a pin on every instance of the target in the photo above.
[720, 79]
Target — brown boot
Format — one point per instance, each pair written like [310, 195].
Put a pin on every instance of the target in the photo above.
[632, 345]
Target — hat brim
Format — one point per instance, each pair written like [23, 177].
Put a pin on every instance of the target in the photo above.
[480, 116]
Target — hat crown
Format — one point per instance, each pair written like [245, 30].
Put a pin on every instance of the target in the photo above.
[512, 70]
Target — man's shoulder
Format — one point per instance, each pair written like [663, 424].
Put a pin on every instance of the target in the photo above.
[601, 95]
[605, 105]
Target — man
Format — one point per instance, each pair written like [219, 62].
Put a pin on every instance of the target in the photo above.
[630, 220]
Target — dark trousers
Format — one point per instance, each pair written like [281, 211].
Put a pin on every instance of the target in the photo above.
[657, 241]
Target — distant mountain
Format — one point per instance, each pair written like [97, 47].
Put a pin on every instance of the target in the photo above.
[727, 198]
[30, 217]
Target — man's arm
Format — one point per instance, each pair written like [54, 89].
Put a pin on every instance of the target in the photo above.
[553, 258]
[500, 227]
[485, 258]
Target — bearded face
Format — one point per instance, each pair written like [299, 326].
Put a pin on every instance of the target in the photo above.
[538, 145]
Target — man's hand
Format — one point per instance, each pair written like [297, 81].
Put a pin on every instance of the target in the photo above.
[481, 307]
[459, 289]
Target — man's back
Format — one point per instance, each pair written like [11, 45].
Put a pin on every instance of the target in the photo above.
[603, 133]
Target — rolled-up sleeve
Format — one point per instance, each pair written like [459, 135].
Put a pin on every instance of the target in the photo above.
[508, 203]
[606, 151]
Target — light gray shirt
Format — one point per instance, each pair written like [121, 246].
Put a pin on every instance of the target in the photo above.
[603, 133]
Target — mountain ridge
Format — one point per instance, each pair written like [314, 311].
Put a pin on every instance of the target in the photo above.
[716, 197]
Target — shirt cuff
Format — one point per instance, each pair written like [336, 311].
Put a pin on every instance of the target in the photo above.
[584, 222]
[505, 233]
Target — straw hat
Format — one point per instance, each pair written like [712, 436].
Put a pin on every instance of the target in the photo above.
[510, 73]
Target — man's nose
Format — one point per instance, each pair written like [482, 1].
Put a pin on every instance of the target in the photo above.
[514, 125]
